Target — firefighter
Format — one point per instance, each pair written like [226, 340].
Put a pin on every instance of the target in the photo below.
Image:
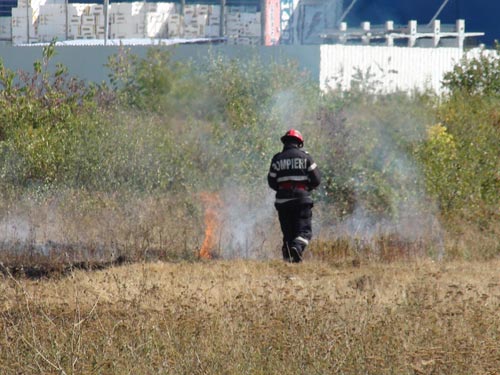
[293, 174]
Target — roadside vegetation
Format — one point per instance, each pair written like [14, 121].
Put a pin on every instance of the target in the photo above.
[403, 169]
[401, 274]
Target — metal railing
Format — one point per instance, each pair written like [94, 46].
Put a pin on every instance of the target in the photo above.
[435, 33]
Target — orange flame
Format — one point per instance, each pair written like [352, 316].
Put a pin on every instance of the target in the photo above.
[212, 204]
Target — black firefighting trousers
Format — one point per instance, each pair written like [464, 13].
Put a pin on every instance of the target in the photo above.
[295, 220]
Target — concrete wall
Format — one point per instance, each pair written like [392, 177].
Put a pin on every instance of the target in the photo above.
[394, 68]
[87, 62]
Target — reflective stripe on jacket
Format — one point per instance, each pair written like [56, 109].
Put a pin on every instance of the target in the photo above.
[292, 174]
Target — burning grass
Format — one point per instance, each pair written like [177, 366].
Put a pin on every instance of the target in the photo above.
[354, 306]
[255, 317]
[213, 205]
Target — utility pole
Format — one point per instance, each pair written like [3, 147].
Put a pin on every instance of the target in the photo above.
[222, 17]
[182, 20]
[106, 21]
[28, 21]
[66, 23]
[263, 22]
[145, 31]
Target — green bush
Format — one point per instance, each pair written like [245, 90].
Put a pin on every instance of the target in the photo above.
[44, 115]
[476, 75]
[154, 83]
[220, 122]
[462, 165]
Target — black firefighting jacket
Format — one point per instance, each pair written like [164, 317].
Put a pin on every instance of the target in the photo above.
[293, 174]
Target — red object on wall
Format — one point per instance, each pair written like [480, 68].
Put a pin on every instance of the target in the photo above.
[272, 27]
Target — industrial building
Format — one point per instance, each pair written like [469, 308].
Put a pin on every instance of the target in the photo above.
[241, 22]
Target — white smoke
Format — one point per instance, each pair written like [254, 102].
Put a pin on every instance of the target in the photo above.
[246, 224]
[16, 229]
[411, 217]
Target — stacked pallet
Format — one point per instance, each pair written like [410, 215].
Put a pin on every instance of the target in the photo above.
[51, 22]
[243, 25]
[5, 28]
[84, 21]
[195, 20]
[24, 21]
[157, 16]
[198, 21]
[213, 28]
[44, 20]
[127, 20]
[23, 25]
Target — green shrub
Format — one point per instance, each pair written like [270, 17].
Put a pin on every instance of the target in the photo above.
[464, 173]
[43, 117]
[152, 84]
[473, 124]
[438, 154]
[476, 75]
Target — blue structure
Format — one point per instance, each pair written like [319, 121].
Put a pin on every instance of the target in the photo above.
[479, 15]
[6, 7]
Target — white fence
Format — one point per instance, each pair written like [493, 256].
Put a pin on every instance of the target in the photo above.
[388, 68]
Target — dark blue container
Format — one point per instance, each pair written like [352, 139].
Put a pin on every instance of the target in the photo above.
[479, 15]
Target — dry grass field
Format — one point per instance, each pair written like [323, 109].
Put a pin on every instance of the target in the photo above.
[138, 235]
[255, 317]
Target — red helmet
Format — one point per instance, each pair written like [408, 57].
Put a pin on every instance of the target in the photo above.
[292, 133]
